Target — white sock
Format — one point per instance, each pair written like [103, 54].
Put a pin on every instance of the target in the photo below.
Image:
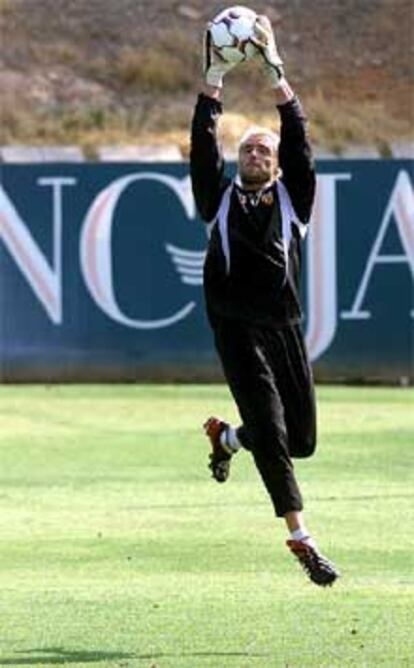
[302, 535]
[229, 440]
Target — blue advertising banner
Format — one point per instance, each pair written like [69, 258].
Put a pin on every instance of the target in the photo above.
[101, 273]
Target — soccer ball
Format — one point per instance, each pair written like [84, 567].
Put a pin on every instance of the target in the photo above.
[231, 34]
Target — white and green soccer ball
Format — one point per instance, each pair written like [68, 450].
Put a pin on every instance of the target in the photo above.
[232, 32]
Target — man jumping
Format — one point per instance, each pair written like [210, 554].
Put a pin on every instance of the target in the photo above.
[251, 282]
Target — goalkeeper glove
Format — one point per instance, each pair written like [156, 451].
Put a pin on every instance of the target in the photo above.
[264, 41]
[214, 66]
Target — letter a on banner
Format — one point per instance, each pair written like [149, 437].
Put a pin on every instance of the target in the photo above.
[400, 209]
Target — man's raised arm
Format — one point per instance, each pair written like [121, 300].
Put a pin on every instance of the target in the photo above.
[206, 158]
[295, 154]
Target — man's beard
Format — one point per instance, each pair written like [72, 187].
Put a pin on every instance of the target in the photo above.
[257, 180]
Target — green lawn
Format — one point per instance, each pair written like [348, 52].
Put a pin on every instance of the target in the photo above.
[117, 549]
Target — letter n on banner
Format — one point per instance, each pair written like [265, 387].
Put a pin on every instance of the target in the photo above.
[44, 279]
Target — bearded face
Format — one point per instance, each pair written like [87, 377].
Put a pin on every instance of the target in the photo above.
[257, 161]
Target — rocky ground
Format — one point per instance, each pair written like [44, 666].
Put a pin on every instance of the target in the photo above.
[100, 71]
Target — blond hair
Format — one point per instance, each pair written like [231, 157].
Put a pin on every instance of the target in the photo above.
[258, 130]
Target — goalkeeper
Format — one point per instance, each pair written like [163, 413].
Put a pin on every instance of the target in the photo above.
[251, 280]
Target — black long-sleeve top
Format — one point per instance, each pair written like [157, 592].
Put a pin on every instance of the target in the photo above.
[261, 285]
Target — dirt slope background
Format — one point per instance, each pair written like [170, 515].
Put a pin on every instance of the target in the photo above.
[127, 71]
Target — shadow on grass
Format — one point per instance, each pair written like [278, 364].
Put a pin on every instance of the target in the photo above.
[265, 504]
[60, 656]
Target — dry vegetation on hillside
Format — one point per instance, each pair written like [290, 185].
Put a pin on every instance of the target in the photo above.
[91, 72]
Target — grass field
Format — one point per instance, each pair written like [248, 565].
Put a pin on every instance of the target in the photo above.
[117, 549]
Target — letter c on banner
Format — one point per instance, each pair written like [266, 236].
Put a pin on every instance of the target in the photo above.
[96, 247]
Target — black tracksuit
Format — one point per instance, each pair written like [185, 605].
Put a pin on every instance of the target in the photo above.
[251, 283]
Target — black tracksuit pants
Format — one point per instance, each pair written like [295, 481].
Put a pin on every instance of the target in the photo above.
[270, 378]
